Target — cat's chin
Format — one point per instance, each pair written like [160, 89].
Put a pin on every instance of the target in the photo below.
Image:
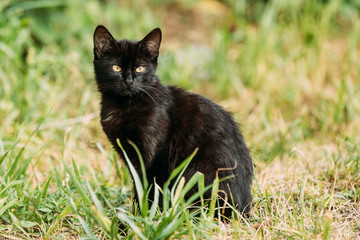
[126, 93]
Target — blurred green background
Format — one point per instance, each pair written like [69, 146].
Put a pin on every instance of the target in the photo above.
[294, 50]
[267, 60]
[287, 70]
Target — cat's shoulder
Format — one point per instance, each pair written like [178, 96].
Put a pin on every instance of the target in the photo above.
[182, 95]
[180, 92]
[186, 98]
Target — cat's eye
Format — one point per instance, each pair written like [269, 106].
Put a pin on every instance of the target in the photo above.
[140, 69]
[116, 68]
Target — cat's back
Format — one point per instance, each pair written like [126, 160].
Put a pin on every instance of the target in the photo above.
[199, 122]
[200, 111]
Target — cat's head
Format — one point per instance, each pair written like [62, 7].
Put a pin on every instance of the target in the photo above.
[125, 67]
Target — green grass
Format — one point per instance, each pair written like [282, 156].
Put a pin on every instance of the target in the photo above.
[287, 70]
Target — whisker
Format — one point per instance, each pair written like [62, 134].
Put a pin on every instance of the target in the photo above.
[144, 91]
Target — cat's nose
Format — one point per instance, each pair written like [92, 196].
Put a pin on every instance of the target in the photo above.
[129, 80]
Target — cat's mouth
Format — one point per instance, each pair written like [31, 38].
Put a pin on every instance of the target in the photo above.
[129, 90]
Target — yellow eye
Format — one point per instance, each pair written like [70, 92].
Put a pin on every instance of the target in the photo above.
[140, 69]
[116, 68]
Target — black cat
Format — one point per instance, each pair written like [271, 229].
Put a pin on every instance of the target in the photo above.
[165, 122]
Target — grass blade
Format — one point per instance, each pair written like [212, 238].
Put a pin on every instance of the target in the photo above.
[7, 206]
[132, 225]
[45, 188]
[155, 203]
[16, 223]
[95, 200]
[63, 213]
[141, 160]
[166, 230]
[102, 219]
[86, 228]
[12, 168]
[137, 182]
[77, 184]
[179, 171]
[3, 157]
[214, 192]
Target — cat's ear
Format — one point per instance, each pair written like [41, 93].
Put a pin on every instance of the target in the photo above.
[151, 43]
[103, 41]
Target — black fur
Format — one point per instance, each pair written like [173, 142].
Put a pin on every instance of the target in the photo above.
[165, 122]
